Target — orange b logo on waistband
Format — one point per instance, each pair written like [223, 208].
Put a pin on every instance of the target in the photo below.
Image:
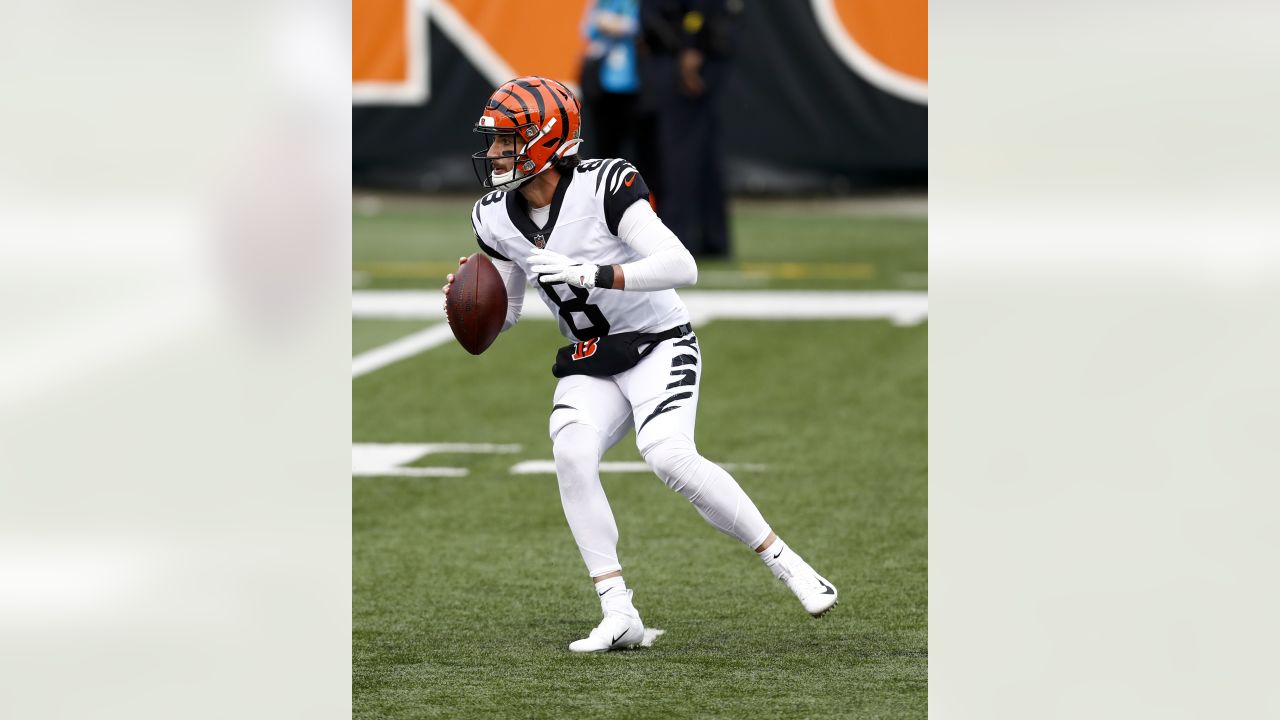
[584, 349]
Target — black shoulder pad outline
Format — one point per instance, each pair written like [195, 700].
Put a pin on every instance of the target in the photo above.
[475, 228]
[622, 187]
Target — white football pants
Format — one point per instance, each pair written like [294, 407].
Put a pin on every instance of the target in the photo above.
[659, 396]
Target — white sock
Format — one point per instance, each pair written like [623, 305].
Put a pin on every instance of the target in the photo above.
[776, 556]
[614, 597]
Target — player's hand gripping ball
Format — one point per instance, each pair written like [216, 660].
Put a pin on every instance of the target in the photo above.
[475, 303]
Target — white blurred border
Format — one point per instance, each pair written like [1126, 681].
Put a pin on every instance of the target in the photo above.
[1104, 283]
[174, 385]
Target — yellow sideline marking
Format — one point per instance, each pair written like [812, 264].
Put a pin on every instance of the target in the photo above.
[804, 271]
[407, 269]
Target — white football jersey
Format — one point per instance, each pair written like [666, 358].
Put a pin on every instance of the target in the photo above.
[582, 225]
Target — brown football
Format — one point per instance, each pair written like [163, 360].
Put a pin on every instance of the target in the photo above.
[476, 305]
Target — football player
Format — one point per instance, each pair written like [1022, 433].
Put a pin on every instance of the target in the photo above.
[584, 233]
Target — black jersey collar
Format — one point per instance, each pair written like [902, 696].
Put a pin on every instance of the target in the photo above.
[518, 211]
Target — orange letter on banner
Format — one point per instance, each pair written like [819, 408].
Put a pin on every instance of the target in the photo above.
[557, 25]
[379, 40]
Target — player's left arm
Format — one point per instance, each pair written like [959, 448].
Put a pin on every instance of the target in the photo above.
[665, 263]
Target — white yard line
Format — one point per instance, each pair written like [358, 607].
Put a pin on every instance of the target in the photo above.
[398, 350]
[422, 305]
[434, 472]
[548, 467]
[390, 460]
[901, 308]
[387, 459]
[728, 304]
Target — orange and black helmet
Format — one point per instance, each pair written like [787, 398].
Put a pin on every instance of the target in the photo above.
[544, 117]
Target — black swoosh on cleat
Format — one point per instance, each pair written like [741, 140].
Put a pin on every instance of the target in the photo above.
[829, 590]
[615, 640]
[606, 592]
[775, 557]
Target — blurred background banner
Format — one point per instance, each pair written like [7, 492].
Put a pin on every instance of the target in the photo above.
[827, 96]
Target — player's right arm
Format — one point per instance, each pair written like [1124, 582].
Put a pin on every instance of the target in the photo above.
[512, 280]
[512, 277]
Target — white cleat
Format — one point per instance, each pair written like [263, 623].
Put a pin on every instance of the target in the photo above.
[816, 594]
[615, 632]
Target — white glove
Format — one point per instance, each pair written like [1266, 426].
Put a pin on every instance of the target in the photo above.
[553, 267]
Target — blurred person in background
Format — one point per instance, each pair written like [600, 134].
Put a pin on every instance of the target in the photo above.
[618, 112]
[686, 50]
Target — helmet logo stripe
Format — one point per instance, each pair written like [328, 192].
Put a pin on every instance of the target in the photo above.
[523, 108]
[533, 92]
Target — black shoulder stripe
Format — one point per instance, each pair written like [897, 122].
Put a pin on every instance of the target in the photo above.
[625, 168]
[490, 251]
[600, 172]
[613, 172]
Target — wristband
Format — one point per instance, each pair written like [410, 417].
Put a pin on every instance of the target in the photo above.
[604, 277]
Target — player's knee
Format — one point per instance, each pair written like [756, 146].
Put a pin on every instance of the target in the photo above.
[672, 459]
[576, 449]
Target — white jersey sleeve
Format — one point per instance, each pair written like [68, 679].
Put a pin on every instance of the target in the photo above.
[665, 263]
[513, 279]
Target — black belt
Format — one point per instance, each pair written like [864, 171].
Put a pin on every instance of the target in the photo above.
[675, 332]
[611, 354]
[653, 339]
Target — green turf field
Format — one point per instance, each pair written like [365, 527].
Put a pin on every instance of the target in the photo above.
[407, 244]
[466, 590]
